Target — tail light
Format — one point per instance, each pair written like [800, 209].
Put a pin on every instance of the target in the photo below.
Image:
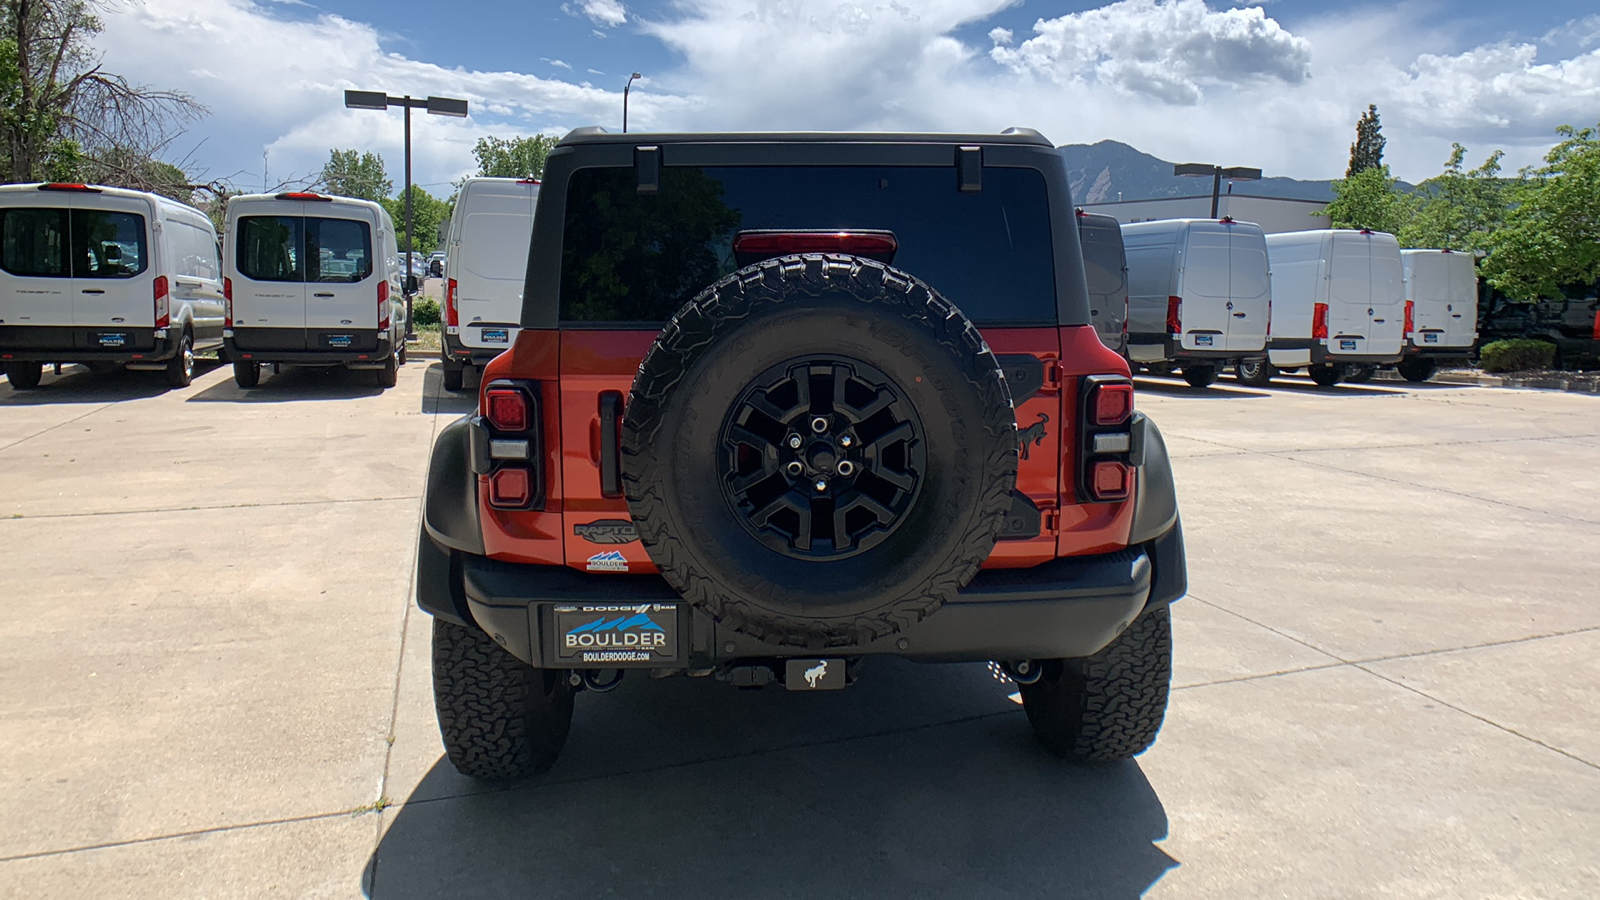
[452, 318]
[68, 186]
[1105, 467]
[227, 303]
[304, 195]
[511, 420]
[163, 312]
[383, 304]
[1596, 334]
[1319, 322]
[754, 246]
[1411, 309]
[1174, 316]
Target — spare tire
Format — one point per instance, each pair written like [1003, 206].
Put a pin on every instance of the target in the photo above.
[819, 451]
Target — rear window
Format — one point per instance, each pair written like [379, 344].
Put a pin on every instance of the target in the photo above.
[631, 257]
[303, 248]
[81, 243]
[1102, 259]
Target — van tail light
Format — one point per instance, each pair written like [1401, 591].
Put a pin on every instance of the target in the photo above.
[227, 303]
[1411, 309]
[1105, 445]
[163, 311]
[452, 318]
[383, 304]
[1319, 322]
[1175, 316]
[1596, 334]
[513, 455]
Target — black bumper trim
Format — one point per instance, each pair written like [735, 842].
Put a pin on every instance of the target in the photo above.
[352, 358]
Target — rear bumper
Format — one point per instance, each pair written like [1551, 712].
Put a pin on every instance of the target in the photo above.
[1172, 350]
[71, 344]
[1434, 351]
[457, 352]
[1070, 607]
[1320, 355]
[355, 359]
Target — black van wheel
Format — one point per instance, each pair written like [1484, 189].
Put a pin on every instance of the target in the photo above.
[1416, 369]
[453, 372]
[246, 374]
[24, 376]
[499, 717]
[389, 375]
[1254, 372]
[1360, 374]
[1200, 376]
[1109, 706]
[1326, 376]
[180, 368]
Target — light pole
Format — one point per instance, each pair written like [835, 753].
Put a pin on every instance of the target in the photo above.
[625, 88]
[1217, 173]
[436, 106]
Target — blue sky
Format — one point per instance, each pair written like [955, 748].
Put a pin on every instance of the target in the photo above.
[1277, 85]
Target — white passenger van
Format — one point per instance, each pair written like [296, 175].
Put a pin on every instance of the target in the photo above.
[1338, 304]
[1106, 268]
[1199, 294]
[1441, 310]
[486, 263]
[107, 277]
[310, 281]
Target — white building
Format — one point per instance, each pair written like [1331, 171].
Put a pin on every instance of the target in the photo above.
[1275, 215]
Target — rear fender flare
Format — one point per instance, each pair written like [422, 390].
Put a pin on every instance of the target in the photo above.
[1155, 499]
[450, 504]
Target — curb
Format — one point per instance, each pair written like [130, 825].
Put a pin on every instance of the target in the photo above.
[1543, 383]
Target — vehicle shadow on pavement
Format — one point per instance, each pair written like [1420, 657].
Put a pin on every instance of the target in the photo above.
[296, 383]
[1177, 388]
[685, 788]
[438, 401]
[1308, 386]
[77, 384]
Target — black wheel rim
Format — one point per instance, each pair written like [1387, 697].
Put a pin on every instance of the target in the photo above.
[822, 458]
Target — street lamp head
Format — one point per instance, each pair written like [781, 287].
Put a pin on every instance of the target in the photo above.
[1242, 173]
[447, 106]
[1194, 169]
[366, 99]
[635, 75]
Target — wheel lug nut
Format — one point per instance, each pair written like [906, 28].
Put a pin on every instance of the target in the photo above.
[794, 469]
[821, 485]
[794, 442]
[846, 467]
[846, 441]
[819, 424]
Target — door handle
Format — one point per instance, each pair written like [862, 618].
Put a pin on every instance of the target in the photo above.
[1238, 315]
[320, 294]
[192, 285]
[93, 291]
[1378, 321]
[610, 453]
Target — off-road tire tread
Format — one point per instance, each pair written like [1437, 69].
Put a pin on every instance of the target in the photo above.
[500, 718]
[1109, 706]
[769, 284]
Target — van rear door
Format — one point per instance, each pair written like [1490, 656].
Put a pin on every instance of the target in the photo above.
[36, 287]
[1204, 288]
[1105, 266]
[1249, 291]
[492, 261]
[1461, 324]
[341, 292]
[1349, 294]
[1428, 289]
[115, 263]
[269, 256]
[1386, 327]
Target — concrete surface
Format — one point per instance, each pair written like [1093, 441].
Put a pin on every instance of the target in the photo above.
[215, 685]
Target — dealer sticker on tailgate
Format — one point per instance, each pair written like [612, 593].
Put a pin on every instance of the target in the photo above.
[495, 336]
[617, 633]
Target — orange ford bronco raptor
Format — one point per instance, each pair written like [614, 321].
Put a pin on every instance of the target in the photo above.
[785, 402]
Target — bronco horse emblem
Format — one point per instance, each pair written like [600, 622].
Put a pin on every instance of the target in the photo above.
[815, 673]
[1033, 434]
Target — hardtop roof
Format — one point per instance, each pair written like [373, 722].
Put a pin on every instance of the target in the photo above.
[594, 134]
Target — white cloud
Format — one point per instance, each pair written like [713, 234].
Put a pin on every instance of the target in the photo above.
[594, 71]
[610, 13]
[557, 62]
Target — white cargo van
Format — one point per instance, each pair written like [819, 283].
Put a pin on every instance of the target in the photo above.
[1338, 304]
[486, 263]
[1199, 294]
[1441, 310]
[1106, 268]
[107, 277]
[310, 281]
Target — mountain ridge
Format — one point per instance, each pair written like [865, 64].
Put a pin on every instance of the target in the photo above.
[1099, 171]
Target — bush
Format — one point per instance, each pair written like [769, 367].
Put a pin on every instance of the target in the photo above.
[1517, 354]
[425, 310]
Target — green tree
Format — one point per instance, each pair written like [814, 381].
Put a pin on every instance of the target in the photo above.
[1551, 235]
[1459, 210]
[513, 158]
[351, 173]
[1369, 199]
[59, 106]
[427, 212]
[1367, 152]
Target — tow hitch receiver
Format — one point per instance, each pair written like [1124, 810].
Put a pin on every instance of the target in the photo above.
[814, 674]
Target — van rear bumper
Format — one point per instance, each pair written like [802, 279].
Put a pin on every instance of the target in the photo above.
[1068, 608]
[1172, 350]
[1321, 356]
[456, 352]
[80, 344]
[371, 348]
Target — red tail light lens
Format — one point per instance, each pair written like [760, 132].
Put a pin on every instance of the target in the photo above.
[1597, 325]
[383, 304]
[781, 243]
[452, 318]
[227, 303]
[304, 195]
[507, 409]
[1112, 404]
[1411, 308]
[1111, 480]
[163, 313]
[66, 186]
[1174, 315]
[1319, 322]
[510, 487]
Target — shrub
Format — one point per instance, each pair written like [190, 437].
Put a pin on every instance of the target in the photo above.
[425, 310]
[1517, 354]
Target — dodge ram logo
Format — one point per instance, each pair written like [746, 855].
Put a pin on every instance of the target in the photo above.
[607, 531]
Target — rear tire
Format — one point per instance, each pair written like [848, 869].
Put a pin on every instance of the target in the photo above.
[1254, 372]
[24, 376]
[1360, 374]
[1109, 706]
[246, 374]
[402, 354]
[180, 368]
[453, 376]
[1200, 376]
[389, 375]
[500, 717]
[1416, 369]
[1326, 376]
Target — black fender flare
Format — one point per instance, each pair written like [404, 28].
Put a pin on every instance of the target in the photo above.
[1155, 498]
[450, 504]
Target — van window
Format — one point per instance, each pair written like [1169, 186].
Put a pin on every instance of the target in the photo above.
[1102, 261]
[1249, 271]
[269, 248]
[1149, 270]
[33, 242]
[101, 244]
[631, 257]
[195, 249]
[338, 249]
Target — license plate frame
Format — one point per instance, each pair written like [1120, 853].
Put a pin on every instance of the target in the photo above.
[615, 635]
[114, 340]
[1345, 344]
[495, 335]
[341, 341]
[1430, 337]
[1203, 340]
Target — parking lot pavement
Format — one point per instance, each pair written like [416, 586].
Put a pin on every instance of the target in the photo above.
[215, 685]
